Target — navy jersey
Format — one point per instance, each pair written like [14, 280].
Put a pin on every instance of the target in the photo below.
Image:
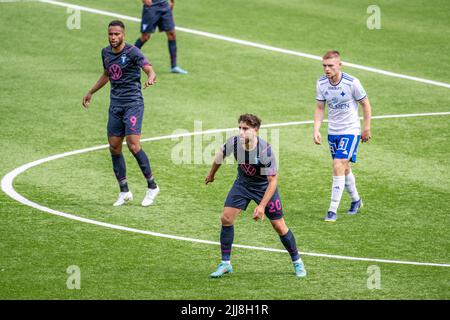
[124, 72]
[158, 1]
[253, 166]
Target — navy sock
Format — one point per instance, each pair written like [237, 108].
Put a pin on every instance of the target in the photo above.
[120, 170]
[144, 164]
[288, 241]
[173, 52]
[226, 241]
[139, 43]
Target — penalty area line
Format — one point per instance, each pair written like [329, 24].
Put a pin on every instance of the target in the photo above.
[8, 188]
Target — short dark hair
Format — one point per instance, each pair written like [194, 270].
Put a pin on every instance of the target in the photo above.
[251, 120]
[116, 23]
[331, 54]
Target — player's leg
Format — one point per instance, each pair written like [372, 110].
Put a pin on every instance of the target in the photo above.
[145, 36]
[337, 188]
[172, 44]
[227, 219]
[236, 201]
[274, 211]
[167, 24]
[350, 185]
[133, 122]
[116, 133]
[342, 148]
[287, 238]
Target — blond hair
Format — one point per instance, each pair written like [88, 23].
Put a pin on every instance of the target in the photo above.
[331, 54]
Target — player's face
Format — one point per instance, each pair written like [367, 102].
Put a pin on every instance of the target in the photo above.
[331, 67]
[247, 134]
[115, 36]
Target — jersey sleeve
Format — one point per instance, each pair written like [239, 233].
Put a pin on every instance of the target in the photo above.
[229, 146]
[319, 94]
[268, 161]
[139, 58]
[103, 59]
[358, 91]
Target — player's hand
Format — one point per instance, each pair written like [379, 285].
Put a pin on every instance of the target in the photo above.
[87, 100]
[258, 213]
[317, 138]
[147, 2]
[150, 81]
[171, 4]
[366, 135]
[209, 178]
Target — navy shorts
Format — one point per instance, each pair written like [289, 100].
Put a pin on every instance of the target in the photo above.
[157, 15]
[240, 196]
[125, 120]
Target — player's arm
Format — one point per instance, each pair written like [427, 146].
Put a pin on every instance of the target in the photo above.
[218, 160]
[151, 80]
[318, 118]
[367, 115]
[147, 2]
[97, 86]
[258, 213]
[171, 4]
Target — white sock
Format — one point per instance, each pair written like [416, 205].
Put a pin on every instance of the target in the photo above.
[350, 186]
[297, 261]
[336, 192]
[226, 262]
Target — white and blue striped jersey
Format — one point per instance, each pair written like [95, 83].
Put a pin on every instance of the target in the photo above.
[342, 100]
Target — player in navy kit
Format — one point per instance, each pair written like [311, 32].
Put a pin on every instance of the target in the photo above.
[122, 64]
[257, 181]
[158, 13]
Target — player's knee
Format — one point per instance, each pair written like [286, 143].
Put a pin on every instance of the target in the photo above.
[339, 166]
[134, 147]
[225, 220]
[171, 35]
[145, 37]
[115, 149]
[280, 227]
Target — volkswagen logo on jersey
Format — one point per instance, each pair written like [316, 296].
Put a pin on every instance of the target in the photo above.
[115, 72]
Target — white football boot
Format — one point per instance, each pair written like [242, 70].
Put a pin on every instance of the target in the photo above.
[123, 197]
[150, 196]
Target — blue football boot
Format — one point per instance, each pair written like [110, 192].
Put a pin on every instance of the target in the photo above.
[299, 268]
[354, 207]
[177, 69]
[331, 216]
[222, 269]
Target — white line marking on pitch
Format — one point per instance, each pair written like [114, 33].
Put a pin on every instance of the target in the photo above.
[8, 179]
[250, 44]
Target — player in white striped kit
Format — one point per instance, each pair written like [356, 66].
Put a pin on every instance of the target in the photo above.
[342, 93]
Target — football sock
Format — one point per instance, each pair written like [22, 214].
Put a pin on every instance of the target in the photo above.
[226, 241]
[144, 164]
[350, 186]
[139, 43]
[173, 52]
[120, 171]
[336, 192]
[289, 243]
